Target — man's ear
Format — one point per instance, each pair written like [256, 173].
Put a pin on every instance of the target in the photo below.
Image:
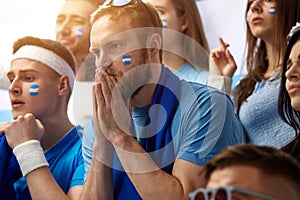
[154, 44]
[64, 85]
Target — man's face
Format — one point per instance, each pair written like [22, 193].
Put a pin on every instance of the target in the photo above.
[73, 25]
[252, 179]
[33, 88]
[118, 50]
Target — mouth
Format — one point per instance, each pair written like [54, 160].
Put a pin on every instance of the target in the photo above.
[257, 20]
[109, 72]
[293, 90]
[16, 103]
[65, 41]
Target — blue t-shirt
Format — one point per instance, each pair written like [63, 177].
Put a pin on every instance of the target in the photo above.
[189, 73]
[204, 123]
[65, 163]
[259, 115]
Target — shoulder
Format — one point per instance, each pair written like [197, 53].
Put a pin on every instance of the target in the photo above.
[203, 94]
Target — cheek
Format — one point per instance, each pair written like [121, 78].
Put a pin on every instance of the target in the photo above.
[295, 102]
[248, 16]
[272, 10]
[286, 84]
[79, 32]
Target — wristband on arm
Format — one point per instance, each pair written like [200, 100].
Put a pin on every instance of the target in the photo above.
[30, 156]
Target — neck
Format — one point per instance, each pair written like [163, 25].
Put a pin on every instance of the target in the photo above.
[143, 97]
[56, 125]
[173, 61]
[145, 94]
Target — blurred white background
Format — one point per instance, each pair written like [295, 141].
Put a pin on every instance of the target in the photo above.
[19, 18]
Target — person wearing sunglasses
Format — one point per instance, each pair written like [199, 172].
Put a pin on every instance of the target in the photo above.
[248, 171]
[288, 102]
[151, 132]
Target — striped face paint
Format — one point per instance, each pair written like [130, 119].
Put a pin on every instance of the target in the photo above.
[165, 23]
[126, 59]
[272, 10]
[79, 33]
[34, 90]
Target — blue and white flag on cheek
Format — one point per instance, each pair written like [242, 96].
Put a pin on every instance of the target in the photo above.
[272, 10]
[126, 59]
[34, 90]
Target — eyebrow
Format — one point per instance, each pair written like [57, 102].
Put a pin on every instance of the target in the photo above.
[22, 71]
[73, 16]
[107, 43]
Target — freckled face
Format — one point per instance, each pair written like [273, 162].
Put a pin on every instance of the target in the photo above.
[112, 45]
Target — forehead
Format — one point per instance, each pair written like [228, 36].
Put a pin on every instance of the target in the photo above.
[78, 7]
[106, 29]
[24, 64]
[295, 50]
[232, 176]
[159, 3]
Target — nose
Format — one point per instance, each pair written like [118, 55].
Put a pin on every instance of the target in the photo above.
[256, 6]
[292, 73]
[103, 61]
[14, 88]
[63, 28]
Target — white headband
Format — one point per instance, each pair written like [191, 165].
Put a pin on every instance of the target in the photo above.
[48, 58]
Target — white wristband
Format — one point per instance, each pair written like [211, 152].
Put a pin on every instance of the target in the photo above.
[30, 156]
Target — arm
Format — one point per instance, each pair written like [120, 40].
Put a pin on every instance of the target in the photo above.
[99, 183]
[222, 67]
[150, 181]
[40, 181]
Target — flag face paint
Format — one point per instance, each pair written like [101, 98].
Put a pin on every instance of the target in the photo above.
[34, 90]
[79, 33]
[165, 23]
[126, 59]
[272, 10]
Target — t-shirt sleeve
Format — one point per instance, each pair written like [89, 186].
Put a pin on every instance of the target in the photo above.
[87, 146]
[77, 179]
[208, 126]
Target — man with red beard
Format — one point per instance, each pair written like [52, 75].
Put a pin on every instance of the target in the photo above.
[151, 133]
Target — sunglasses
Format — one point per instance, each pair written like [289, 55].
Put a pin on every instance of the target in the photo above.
[117, 3]
[224, 193]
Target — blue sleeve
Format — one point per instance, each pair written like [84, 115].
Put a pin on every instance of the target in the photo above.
[87, 146]
[9, 170]
[78, 176]
[208, 126]
[77, 179]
